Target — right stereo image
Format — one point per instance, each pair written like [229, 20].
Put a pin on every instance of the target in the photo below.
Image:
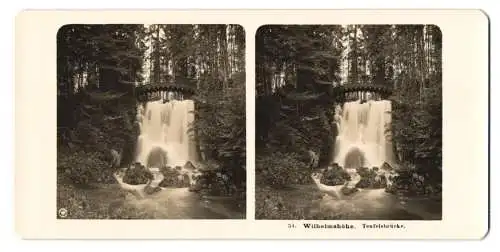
[348, 122]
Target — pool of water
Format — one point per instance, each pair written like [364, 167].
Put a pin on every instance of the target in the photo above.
[368, 204]
[109, 201]
[180, 203]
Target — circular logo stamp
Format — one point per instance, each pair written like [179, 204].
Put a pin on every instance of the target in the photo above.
[63, 212]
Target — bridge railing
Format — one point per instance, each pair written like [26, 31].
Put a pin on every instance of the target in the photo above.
[361, 92]
[150, 92]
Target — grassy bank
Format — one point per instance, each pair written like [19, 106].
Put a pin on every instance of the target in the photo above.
[103, 201]
[109, 201]
[306, 202]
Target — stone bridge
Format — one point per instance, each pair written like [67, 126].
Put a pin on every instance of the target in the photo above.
[361, 92]
[174, 89]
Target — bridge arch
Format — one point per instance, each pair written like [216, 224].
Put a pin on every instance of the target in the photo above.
[174, 89]
[361, 92]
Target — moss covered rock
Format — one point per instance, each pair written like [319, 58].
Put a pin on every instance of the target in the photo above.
[137, 175]
[370, 178]
[334, 175]
[172, 177]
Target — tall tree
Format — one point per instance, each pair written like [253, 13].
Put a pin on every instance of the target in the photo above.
[292, 105]
[98, 66]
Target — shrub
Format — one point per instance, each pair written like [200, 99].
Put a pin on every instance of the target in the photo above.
[82, 168]
[417, 130]
[271, 205]
[285, 205]
[220, 124]
[281, 169]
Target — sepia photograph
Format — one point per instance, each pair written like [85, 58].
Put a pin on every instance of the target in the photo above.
[252, 124]
[151, 121]
[348, 122]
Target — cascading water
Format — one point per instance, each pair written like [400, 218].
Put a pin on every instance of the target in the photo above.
[362, 139]
[164, 133]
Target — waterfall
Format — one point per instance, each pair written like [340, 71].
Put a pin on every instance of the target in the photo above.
[363, 136]
[164, 137]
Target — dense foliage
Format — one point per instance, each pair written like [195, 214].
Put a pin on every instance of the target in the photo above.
[220, 127]
[80, 168]
[276, 169]
[99, 68]
[297, 67]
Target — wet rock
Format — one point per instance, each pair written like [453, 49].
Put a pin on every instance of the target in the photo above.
[386, 167]
[346, 190]
[150, 189]
[184, 181]
[195, 183]
[190, 166]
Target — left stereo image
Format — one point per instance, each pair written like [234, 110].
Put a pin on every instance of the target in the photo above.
[151, 121]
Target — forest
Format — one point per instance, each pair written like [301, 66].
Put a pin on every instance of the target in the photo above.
[99, 71]
[297, 69]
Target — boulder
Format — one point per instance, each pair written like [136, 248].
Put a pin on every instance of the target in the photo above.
[183, 180]
[175, 177]
[189, 166]
[386, 167]
[137, 175]
[371, 179]
[199, 183]
[195, 181]
[150, 189]
[169, 177]
[334, 175]
[346, 190]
